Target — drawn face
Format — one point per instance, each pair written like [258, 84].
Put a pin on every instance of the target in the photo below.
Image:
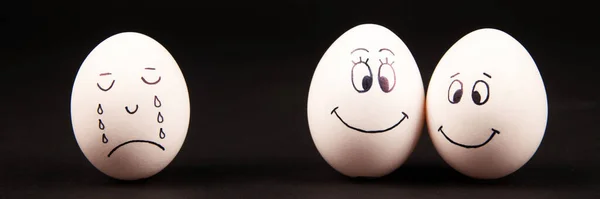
[480, 94]
[365, 104]
[486, 105]
[130, 107]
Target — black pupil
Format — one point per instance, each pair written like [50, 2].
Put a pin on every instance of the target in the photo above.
[367, 82]
[476, 97]
[385, 85]
[457, 96]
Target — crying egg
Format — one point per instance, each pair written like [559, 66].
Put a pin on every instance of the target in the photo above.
[130, 107]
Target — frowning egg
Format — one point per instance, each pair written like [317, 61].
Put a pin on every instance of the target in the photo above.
[130, 107]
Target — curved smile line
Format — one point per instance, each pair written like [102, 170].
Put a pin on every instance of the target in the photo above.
[368, 131]
[494, 132]
[132, 141]
[131, 112]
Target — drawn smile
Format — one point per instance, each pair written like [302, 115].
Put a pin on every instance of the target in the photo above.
[131, 112]
[133, 141]
[494, 132]
[369, 131]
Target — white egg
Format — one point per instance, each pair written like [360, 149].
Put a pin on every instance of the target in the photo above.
[366, 102]
[130, 107]
[486, 105]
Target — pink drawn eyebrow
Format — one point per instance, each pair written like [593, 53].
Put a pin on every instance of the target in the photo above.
[104, 74]
[359, 49]
[150, 68]
[385, 49]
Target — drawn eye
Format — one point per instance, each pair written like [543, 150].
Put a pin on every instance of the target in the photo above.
[362, 77]
[106, 88]
[151, 82]
[455, 91]
[387, 76]
[481, 92]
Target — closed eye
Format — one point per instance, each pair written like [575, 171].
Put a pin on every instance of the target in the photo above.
[109, 87]
[150, 82]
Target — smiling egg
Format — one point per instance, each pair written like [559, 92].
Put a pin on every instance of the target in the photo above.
[130, 107]
[366, 103]
[486, 105]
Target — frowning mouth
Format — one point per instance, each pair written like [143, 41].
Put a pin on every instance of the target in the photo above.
[494, 132]
[134, 141]
[368, 131]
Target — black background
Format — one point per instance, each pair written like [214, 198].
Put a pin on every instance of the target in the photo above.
[248, 66]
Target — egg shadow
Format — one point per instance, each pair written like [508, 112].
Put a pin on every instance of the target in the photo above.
[230, 172]
[407, 176]
[440, 176]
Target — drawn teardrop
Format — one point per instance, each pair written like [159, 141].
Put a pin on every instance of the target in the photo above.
[156, 102]
[100, 124]
[161, 134]
[104, 139]
[160, 118]
[100, 111]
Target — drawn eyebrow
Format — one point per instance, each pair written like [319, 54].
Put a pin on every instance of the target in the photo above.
[149, 68]
[104, 74]
[487, 75]
[358, 49]
[454, 75]
[385, 49]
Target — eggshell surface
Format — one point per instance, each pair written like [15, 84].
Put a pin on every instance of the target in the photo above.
[130, 107]
[486, 105]
[366, 102]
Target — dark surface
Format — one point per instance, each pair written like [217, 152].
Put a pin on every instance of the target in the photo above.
[248, 68]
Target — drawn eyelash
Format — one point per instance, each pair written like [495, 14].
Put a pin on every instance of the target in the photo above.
[360, 61]
[386, 62]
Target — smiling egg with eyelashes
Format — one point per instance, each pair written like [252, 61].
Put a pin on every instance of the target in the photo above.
[486, 105]
[366, 102]
[130, 107]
